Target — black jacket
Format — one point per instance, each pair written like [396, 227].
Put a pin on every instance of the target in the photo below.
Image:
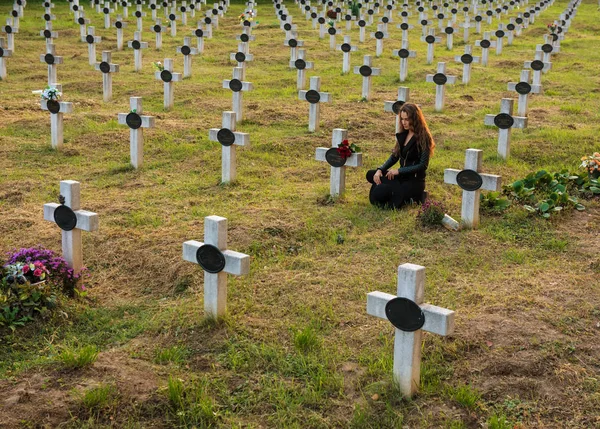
[413, 162]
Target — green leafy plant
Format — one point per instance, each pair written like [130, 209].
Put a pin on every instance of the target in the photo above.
[355, 7]
[431, 213]
[492, 202]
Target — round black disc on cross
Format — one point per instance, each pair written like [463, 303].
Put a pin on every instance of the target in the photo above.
[118, 24]
[172, 17]
[365, 70]
[287, 26]
[478, 18]
[430, 39]
[405, 314]
[207, 20]
[440, 16]
[292, 43]
[200, 33]
[379, 35]
[104, 67]
[183, 9]
[300, 64]
[133, 120]
[554, 37]
[504, 121]
[523, 88]
[90, 39]
[136, 44]
[235, 85]
[466, 9]
[537, 65]
[499, 34]
[106, 11]
[333, 158]
[215, 11]
[370, 11]
[485, 44]
[8, 29]
[240, 57]
[157, 28]
[153, 6]
[424, 22]
[49, 58]
[404, 14]
[138, 14]
[454, 11]
[166, 76]
[362, 23]
[526, 15]
[547, 48]
[466, 58]
[53, 106]
[449, 30]
[404, 26]
[348, 17]
[440, 79]
[65, 218]
[396, 106]
[313, 96]
[247, 23]
[185, 50]
[226, 137]
[489, 13]
[321, 20]
[385, 20]
[1, 52]
[81, 21]
[313, 15]
[469, 180]
[244, 37]
[498, 10]
[47, 34]
[346, 47]
[510, 27]
[47, 17]
[331, 31]
[210, 258]
[403, 53]
[519, 20]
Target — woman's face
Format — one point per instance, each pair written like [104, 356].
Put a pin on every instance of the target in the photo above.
[406, 124]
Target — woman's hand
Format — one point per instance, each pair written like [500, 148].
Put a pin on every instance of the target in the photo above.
[377, 177]
[391, 173]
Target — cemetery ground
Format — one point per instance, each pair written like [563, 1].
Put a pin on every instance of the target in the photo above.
[297, 348]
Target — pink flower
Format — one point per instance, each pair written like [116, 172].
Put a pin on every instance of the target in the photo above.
[38, 264]
[37, 272]
[25, 269]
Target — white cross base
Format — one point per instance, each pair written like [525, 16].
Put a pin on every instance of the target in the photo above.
[136, 136]
[337, 183]
[407, 345]
[215, 284]
[314, 110]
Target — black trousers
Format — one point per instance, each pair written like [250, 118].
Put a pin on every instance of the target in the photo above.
[394, 193]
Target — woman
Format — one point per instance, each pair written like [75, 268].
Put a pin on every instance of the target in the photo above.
[392, 188]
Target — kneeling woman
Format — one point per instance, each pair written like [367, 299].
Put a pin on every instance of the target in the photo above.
[392, 188]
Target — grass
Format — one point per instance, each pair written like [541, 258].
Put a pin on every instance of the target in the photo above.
[297, 348]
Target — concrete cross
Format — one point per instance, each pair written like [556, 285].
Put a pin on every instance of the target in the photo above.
[139, 16]
[524, 88]
[478, 20]
[173, 18]
[332, 31]
[367, 71]
[238, 87]
[394, 106]
[449, 30]
[137, 45]
[57, 109]
[106, 10]
[337, 183]
[471, 193]
[301, 65]
[136, 123]
[440, 79]
[538, 66]
[510, 32]
[229, 139]
[467, 59]
[208, 31]
[405, 26]
[52, 60]
[407, 345]
[505, 121]
[361, 29]
[430, 39]
[153, 8]
[107, 70]
[294, 44]
[241, 57]
[500, 34]
[168, 77]
[349, 18]
[379, 35]
[485, 44]
[184, 10]
[199, 33]
[91, 40]
[314, 96]
[158, 29]
[48, 34]
[346, 48]
[404, 54]
[10, 29]
[467, 25]
[425, 23]
[72, 222]
[547, 49]
[187, 51]
[4, 54]
[83, 22]
[119, 25]
[215, 283]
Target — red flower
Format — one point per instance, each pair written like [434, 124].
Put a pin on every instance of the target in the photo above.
[344, 151]
[37, 272]
[25, 269]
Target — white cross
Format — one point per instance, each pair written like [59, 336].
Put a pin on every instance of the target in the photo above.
[125, 5]
[467, 59]
[467, 25]
[407, 345]
[510, 34]
[168, 77]
[183, 10]
[404, 54]
[379, 35]
[48, 34]
[505, 121]
[199, 33]
[136, 135]
[524, 88]
[4, 54]
[229, 139]
[500, 33]
[137, 45]
[72, 248]
[83, 22]
[346, 48]
[215, 284]
[349, 18]
[367, 71]
[208, 22]
[187, 52]
[332, 31]
[107, 11]
[538, 66]
[485, 44]
[91, 40]
[10, 29]
[119, 25]
[361, 23]
[173, 19]
[107, 69]
[440, 79]
[337, 182]
[315, 97]
[425, 23]
[301, 65]
[547, 49]
[405, 26]
[56, 117]
[153, 7]
[394, 106]
[470, 199]
[241, 57]
[52, 60]
[430, 39]
[449, 30]
[238, 86]
[139, 15]
[294, 44]
[158, 30]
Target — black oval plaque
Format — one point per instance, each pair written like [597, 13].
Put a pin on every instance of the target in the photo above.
[49, 58]
[287, 26]
[466, 58]
[65, 218]
[185, 50]
[362, 23]
[153, 6]
[157, 28]
[440, 79]
[321, 20]
[537, 65]
[547, 48]
[404, 26]
[240, 57]
[215, 11]
[104, 67]
[519, 20]
[485, 44]
[396, 106]
[526, 15]
[207, 20]
[292, 43]
[183, 9]
[379, 35]
[440, 16]
[53, 106]
[313, 96]
[47, 17]
[510, 27]
[465, 9]
[385, 20]
[300, 64]
[424, 22]
[478, 18]
[172, 17]
[504, 121]
[499, 34]
[133, 120]
[138, 14]
[200, 33]
[226, 137]
[118, 24]
[313, 15]
[405, 314]
[348, 17]
[489, 13]
[244, 37]
[166, 76]
[81, 21]
[333, 157]
[469, 180]
[403, 53]
[449, 30]
[210, 258]
[430, 39]
[136, 44]
[1, 52]
[346, 47]
[106, 10]
[90, 39]
[8, 29]
[523, 88]
[331, 31]
[47, 34]
[554, 37]
[365, 70]
[235, 85]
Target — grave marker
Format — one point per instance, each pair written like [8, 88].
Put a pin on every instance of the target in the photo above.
[229, 139]
[538, 66]
[119, 25]
[173, 18]
[430, 39]
[83, 22]
[168, 77]
[136, 123]
[137, 47]
[48, 34]
[139, 15]
[294, 44]
[440, 79]
[187, 51]
[467, 59]
[485, 44]
[500, 34]
[379, 35]
[241, 57]
[158, 29]
[301, 65]
[199, 33]
[314, 96]
[107, 11]
[449, 30]
[505, 121]
[107, 70]
[91, 40]
[10, 29]
[52, 60]
[346, 48]
[524, 88]
[337, 183]
[238, 86]
[4, 54]
[57, 109]
[404, 54]
[394, 106]
[367, 71]
[361, 29]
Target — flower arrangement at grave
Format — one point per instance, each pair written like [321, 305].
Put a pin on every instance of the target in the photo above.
[247, 16]
[157, 66]
[592, 164]
[431, 213]
[552, 28]
[345, 149]
[331, 14]
[49, 93]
